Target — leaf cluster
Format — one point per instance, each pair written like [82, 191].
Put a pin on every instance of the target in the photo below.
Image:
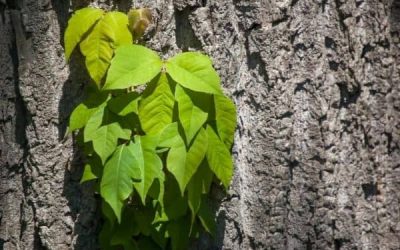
[153, 153]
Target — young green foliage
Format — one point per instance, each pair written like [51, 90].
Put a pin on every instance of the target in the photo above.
[154, 150]
[132, 65]
[157, 105]
[78, 25]
[194, 71]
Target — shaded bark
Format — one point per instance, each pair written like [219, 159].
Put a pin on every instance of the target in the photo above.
[316, 151]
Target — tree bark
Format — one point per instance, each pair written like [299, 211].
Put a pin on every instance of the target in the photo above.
[317, 148]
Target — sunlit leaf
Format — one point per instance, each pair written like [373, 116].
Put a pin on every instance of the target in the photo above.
[132, 65]
[194, 71]
[79, 24]
[156, 106]
[104, 133]
[98, 48]
[170, 136]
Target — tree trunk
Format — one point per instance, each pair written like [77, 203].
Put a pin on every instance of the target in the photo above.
[317, 148]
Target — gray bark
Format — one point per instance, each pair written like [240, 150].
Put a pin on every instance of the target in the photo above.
[317, 154]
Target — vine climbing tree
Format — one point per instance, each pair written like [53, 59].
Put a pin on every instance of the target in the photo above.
[152, 151]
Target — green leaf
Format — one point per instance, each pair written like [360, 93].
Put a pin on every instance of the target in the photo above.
[207, 218]
[132, 65]
[131, 122]
[169, 137]
[93, 169]
[158, 235]
[122, 233]
[88, 174]
[179, 230]
[156, 192]
[144, 150]
[118, 175]
[199, 185]
[183, 165]
[146, 243]
[105, 235]
[192, 107]
[121, 238]
[78, 25]
[124, 104]
[219, 158]
[107, 230]
[81, 114]
[108, 213]
[225, 114]
[143, 218]
[175, 205]
[105, 139]
[98, 48]
[194, 71]
[93, 124]
[156, 106]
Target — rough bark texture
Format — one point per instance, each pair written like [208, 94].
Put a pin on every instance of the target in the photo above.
[317, 86]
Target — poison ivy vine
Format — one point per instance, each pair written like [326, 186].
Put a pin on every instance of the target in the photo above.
[154, 153]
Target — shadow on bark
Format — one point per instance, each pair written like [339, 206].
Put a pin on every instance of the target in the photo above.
[184, 34]
[81, 201]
